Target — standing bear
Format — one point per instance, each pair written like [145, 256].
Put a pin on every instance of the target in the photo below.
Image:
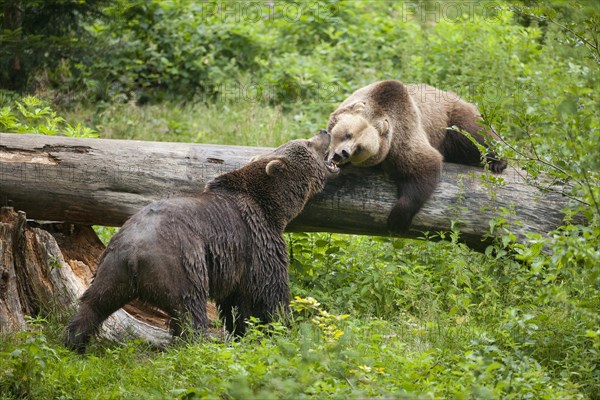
[225, 244]
[410, 130]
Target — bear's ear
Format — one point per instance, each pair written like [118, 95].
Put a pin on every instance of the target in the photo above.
[359, 106]
[385, 127]
[275, 167]
[332, 121]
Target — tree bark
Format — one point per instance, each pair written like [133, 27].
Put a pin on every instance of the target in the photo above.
[103, 182]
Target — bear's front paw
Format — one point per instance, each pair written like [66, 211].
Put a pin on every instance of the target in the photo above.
[399, 220]
[496, 165]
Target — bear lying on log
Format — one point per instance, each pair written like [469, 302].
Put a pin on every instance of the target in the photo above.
[409, 130]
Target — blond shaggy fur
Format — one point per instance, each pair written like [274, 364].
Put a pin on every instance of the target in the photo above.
[410, 130]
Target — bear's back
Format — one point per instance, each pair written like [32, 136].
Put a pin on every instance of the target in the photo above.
[204, 220]
[439, 109]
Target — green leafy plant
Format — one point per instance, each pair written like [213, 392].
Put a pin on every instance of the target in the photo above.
[32, 115]
[327, 322]
[27, 361]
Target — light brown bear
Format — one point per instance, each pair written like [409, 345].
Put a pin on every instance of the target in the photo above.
[410, 131]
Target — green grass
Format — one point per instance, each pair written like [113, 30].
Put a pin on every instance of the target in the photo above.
[396, 319]
[233, 123]
[399, 358]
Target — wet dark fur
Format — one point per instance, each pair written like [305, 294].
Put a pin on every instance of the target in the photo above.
[412, 109]
[226, 244]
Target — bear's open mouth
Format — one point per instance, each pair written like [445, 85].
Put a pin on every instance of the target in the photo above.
[332, 167]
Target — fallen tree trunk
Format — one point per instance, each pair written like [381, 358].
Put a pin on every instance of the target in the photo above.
[103, 182]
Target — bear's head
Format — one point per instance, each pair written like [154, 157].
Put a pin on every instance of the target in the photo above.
[302, 158]
[358, 136]
[282, 181]
[295, 172]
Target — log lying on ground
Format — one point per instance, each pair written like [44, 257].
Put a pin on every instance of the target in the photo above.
[103, 182]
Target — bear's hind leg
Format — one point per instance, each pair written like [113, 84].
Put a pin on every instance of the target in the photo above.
[187, 323]
[458, 148]
[235, 309]
[112, 288]
[189, 316]
[95, 307]
[82, 326]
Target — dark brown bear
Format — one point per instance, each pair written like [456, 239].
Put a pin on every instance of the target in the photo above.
[409, 130]
[226, 244]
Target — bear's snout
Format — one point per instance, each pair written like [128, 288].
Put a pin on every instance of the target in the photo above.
[338, 156]
[321, 141]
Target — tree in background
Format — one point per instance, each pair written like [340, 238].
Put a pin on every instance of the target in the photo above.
[36, 35]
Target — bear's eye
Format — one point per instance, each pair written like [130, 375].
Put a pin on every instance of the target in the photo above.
[347, 136]
[358, 149]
